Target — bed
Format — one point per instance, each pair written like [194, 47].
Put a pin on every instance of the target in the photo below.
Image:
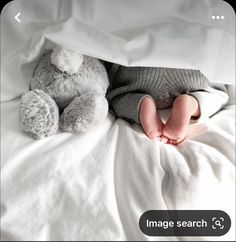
[96, 185]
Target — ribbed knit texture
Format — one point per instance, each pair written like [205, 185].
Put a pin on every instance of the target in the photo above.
[162, 84]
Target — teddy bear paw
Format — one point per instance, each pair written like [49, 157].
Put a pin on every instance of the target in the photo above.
[83, 113]
[39, 114]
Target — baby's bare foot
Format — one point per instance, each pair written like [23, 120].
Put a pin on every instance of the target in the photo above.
[176, 128]
[149, 119]
[174, 131]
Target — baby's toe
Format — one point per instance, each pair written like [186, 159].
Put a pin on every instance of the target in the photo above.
[178, 141]
[164, 139]
[171, 141]
[175, 141]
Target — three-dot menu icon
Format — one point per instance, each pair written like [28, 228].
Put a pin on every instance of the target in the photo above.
[217, 17]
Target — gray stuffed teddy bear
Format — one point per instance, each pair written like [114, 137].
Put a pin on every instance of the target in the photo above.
[67, 91]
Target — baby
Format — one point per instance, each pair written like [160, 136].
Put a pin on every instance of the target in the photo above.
[136, 93]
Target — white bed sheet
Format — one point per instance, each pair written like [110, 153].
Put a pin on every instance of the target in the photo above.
[61, 188]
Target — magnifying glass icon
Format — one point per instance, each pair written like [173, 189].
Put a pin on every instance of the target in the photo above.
[217, 223]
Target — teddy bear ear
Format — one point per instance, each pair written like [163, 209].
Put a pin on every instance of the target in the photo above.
[66, 60]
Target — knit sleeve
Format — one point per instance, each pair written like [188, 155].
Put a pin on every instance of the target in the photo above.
[210, 101]
[127, 106]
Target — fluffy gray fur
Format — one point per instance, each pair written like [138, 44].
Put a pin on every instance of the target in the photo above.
[83, 113]
[80, 95]
[39, 114]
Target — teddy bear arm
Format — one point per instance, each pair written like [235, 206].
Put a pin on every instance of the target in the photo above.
[84, 112]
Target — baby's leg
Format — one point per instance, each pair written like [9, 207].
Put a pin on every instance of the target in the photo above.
[149, 119]
[184, 108]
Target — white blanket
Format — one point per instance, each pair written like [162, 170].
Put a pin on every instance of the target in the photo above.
[179, 34]
[61, 188]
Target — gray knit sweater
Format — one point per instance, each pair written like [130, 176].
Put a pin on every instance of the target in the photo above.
[129, 85]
